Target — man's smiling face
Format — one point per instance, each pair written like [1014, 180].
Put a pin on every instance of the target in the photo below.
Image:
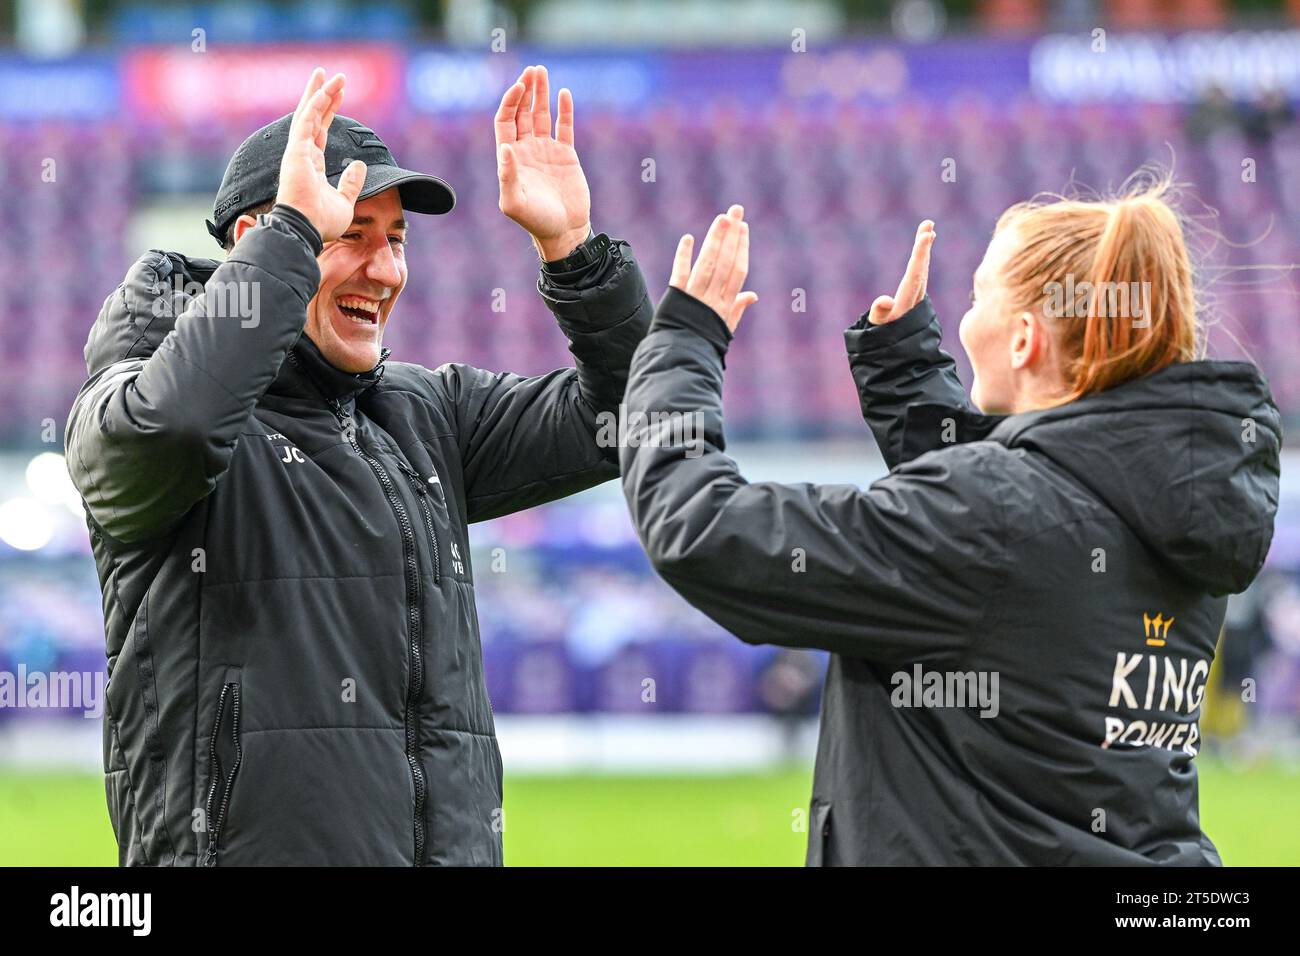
[361, 275]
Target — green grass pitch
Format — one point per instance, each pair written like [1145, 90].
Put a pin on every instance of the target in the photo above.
[736, 820]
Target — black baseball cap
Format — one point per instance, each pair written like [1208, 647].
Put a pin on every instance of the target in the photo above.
[253, 175]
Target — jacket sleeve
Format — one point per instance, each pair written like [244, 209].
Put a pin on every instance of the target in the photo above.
[149, 438]
[900, 364]
[901, 571]
[528, 440]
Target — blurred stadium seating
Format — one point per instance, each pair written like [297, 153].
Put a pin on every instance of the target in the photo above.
[833, 200]
[833, 197]
[833, 185]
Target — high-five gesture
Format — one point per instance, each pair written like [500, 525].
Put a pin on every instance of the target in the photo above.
[302, 170]
[720, 271]
[912, 289]
[542, 184]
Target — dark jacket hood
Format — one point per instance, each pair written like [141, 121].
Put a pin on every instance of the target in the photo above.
[138, 315]
[157, 290]
[1188, 457]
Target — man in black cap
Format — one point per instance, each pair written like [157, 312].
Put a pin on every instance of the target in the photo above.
[279, 515]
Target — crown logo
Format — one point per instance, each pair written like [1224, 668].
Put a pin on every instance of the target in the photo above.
[1156, 629]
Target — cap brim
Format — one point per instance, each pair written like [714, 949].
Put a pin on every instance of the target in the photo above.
[419, 192]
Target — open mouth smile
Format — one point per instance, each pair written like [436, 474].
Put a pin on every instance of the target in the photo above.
[360, 310]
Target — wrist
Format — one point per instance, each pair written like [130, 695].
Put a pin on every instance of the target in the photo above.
[298, 223]
[559, 247]
[305, 207]
[682, 311]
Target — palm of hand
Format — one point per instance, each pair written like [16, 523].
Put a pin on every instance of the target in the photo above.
[302, 168]
[553, 192]
[326, 205]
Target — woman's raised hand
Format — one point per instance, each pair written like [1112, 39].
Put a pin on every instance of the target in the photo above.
[720, 271]
[912, 289]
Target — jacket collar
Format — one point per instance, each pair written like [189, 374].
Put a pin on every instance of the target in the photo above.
[306, 372]
[931, 425]
[1188, 458]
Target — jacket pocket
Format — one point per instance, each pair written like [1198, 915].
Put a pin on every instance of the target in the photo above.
[224, 755]
[819, 833]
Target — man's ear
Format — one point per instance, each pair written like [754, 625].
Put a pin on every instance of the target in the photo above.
[243, 224]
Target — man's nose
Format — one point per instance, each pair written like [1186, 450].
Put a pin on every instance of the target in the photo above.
[382, 266]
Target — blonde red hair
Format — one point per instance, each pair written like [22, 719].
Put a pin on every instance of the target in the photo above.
[1132, 240]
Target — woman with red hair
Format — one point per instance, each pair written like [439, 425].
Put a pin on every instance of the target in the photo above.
[1022, 614]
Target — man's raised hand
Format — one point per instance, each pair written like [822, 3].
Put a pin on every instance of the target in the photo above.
[302, 170]
[720, 271]
[542, 184]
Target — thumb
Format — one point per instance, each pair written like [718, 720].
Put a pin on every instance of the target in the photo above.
[353, 178]
[880, 310]
[507, 169]
[743, 302]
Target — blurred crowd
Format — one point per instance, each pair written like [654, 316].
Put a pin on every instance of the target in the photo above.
[1257, 120]
[833, 198]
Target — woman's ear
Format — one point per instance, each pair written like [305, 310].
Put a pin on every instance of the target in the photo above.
[1028, 340]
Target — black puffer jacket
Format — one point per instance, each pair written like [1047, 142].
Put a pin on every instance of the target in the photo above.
[1078, 555]
[295, 670]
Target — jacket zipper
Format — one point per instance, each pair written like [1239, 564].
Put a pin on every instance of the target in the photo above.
[426, 510]
[216, 815]
[423, 493]
[415, 655]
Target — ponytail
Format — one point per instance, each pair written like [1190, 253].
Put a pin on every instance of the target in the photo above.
[1129, 307]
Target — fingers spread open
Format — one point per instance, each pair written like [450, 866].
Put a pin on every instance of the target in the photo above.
[707, 263]
[735, 277]
[720, 285]
[564, 125]
[309, 123]
[334, 90]
[524, 113]
[542, 103]
[334, 85]
[736, 213]
[314, 83]
[925, 268]
[682, 262]
[504, 122]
